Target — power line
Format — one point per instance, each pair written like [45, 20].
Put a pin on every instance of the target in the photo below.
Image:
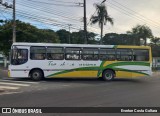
[36, 5]
[61, 1]
[123, 9]
[47, 12]
[49, 20]
[129, 14]
[52, 9]
[3, 15]
[21, 14]
[63, 5]
[39, 9]
[53, 20]
[136, 12]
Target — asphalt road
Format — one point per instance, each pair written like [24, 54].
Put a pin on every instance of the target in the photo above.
[140, 92]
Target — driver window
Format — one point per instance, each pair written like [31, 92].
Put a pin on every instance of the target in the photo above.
[19, 56]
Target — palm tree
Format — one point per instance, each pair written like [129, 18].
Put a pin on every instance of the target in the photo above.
[142, 31]
[102, 17]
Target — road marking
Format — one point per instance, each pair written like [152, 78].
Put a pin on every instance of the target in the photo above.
[7, 93]
[8, 87]
[19, 81]
[16, 84]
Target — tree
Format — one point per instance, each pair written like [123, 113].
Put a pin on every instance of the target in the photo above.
[91, 38]
[155, 40]
[25, 33]
[102, 17]
[76, 37]
[117, 39]
[141, 31]
[111, 39]
[63, 35]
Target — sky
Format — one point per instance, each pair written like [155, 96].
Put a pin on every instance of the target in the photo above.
[58, 14]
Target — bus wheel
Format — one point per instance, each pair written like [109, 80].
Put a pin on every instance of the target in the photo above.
[36, 75]
[108, 75]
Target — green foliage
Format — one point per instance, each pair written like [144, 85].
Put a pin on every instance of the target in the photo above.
[91, 38]
[24, 33]
[117, 39]
[63, 35]
[101, 18]
[140, 31]
[155, 40]
[28, 33]
[78, 37]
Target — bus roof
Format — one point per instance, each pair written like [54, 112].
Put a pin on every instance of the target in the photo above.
[77, 45]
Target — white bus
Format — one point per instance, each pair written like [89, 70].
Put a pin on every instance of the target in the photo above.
[39, 60]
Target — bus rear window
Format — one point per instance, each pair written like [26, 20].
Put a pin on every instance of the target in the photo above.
[140, 55]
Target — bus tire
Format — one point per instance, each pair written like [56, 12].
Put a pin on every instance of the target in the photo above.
[36, 75]
[108, 75]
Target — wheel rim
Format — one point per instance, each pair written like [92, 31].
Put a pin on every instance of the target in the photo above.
[108, 76]
[35, 75]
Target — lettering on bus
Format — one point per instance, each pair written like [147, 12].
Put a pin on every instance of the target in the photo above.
[72, 64]
[62, 64]
[51, 63]
[87, 64]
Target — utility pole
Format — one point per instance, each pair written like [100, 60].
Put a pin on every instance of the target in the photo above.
[14, 21]
[85, 23]
[69, 40]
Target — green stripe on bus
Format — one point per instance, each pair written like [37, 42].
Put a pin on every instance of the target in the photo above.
[113, 65]
[127, 63]
[101, 68]
[115, 46]
[133, 71]
[76, 69]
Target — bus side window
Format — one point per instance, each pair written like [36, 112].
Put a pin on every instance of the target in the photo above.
[107, 54]
[73, 53]
[55, 53]
[90, 54]
[140, 55]
[124, 54]
[37, 53]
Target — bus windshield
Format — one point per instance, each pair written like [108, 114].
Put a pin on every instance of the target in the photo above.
[19, 56]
